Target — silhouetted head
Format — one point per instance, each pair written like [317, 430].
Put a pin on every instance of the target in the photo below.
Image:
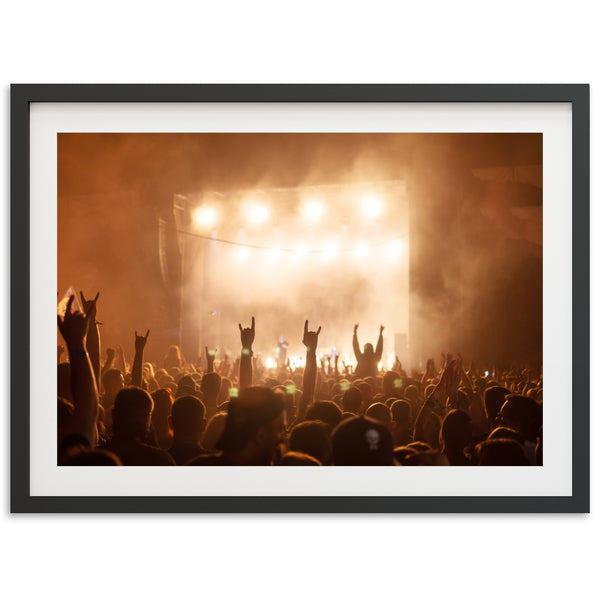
[501, 453]
[362, 441]
[211, 385]
[392, 383]
[401, 412]
[326, 411]
[186, 386]
[523, 414]
[214, 431]
[162, 406]
[298, 459]
[456, 430]
[255, 421]
[173, 358]
[352, 400]
[312, 437]
[505, 433]
[368, 349]
[112, 382]
[380, 412]
[187, 418]
[493, 400]
[91, 457]
[131, 413]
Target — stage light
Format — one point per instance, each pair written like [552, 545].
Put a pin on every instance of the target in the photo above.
[204, 217]
[362, 249]
[372, 207]
[269, 363]
[274, 253]
[330, 251]
[394, 248]
[256, 214]
[240, 254]
[312, 211]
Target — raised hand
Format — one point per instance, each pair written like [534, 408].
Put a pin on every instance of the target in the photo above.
[247, 336]
[451, 378]
[381, 328]
[110, 355]
[89, 306]
[355, 328]
[210, 358]
[140, 341]
[73, 327]
[310, 339]
[138, 359]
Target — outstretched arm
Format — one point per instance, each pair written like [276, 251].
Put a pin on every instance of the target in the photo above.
[379, 349]
[73, 327]
[310, 339]
[138, 359]
[247, 338]
[355, 345]
[92, 342]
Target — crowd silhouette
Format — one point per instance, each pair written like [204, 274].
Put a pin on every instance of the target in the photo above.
[240, 413]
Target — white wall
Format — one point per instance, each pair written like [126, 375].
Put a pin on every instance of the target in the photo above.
[267, 42]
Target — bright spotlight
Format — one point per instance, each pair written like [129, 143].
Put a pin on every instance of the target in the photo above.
[394, 248]
[330, 251]
[269, 363]
[274, 253]
[257, 214]
[362, 249]
[372, 207]
[204, 217]
[240, 254]
[312, 211]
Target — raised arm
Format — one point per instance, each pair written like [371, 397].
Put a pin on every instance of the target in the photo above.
[355, 345]
[138, 359]
[92, 342]
[210, 359]
[73, 328]
[379, 349]
[247, 338]
[429, 418]
[110, 356]
[310, 339]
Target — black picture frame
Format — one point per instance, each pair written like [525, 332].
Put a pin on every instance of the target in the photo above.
[22, 95]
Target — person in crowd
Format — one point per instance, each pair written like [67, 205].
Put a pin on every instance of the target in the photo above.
[131, 425]
[455, 435]
[161, 428]
[368, 360]
[362, 441]
[401, 422]
[188, 421]
[312, 438]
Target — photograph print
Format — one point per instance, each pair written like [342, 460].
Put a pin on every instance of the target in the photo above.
[300, 299]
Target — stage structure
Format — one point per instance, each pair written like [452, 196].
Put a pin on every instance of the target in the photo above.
[334, 254]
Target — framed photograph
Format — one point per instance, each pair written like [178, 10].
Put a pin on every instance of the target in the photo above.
[387, 282]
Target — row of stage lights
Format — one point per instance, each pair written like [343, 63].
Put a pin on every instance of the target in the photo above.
[312, 211]
[206, 218]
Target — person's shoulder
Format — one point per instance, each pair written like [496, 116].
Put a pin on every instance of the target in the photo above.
[161, 457]
[207, 460]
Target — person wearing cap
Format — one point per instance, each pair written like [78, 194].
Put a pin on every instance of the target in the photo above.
[253, 430]
[362, 441]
